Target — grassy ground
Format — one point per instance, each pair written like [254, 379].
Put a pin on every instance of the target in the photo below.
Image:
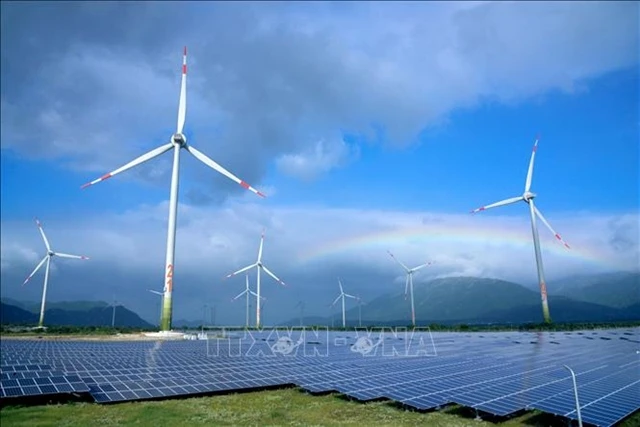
[274, 407]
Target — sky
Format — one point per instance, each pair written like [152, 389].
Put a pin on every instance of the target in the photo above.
[369, 126]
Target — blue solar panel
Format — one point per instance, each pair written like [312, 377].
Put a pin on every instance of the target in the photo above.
[498, 373]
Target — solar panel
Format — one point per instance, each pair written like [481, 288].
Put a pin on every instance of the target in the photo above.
[498, 373]
[42, 386]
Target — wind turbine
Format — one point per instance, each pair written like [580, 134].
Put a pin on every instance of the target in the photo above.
[47, 258]
[246, 292]
[114, 304]
[258, 264]
[301, 304]
[177, 142]
[528, 197]
[342, 295]
[409, 284]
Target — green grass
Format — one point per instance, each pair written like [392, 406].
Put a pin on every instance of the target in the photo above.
[274, 407]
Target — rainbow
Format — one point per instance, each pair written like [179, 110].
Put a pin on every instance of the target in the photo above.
[432, 235]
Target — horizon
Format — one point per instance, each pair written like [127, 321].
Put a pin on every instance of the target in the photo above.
[351, 308]
[403, 119]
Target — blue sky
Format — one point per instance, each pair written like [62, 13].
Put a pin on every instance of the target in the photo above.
[291, 107]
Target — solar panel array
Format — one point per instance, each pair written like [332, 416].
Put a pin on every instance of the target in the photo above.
[498, 373]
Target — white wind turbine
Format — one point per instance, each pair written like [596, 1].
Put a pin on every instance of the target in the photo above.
[342, 295]
[258, 264]
[177, 142]
[528, 197]
[301, 304]
[409, 284]
[246, 292]
[47, 258]
[113, 305]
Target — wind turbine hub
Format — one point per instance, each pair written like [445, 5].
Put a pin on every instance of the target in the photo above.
[50, 253]
[528, 195]
[179, 139]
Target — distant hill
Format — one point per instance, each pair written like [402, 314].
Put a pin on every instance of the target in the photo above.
[11, 314]
[476, 300]
[97, 314]
[450, 299]
[34, 306]
[617, 290]
[564, 310]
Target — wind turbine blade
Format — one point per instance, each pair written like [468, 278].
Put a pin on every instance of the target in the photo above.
[350, 296]
[261, 245]
[182, 107]
[397, 260]
[155, 292]
[147, 156]
[60, 254]
[340, 284]
[35, 270]
[44, 237]
[336, 300]
[420, 266]
[273, 275]
[246, 281]
[545, 222]
[527, 185]
[242, 270]
[501, 203]
[207, 161]
[239, 295]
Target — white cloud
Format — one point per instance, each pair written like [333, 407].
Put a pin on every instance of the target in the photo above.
[323, 156]
[307, 248]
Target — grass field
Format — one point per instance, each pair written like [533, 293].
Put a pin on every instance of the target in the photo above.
[273, 407]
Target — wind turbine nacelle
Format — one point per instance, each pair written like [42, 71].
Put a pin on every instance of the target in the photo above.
[179, 139]
[528, 195]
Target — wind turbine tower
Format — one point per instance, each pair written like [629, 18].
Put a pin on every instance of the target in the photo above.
[177, 142]
[528, 197]
[301, 304]
[161, 295]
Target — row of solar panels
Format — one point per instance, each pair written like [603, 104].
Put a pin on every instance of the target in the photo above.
[488, 375]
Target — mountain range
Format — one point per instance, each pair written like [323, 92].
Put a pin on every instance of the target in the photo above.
[69, 313]
[471, 300]
[595, 298]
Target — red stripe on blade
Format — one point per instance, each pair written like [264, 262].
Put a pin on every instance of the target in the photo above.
[244, 185]
[184, 69]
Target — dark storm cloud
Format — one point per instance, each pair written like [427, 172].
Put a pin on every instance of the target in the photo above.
[95, 84]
